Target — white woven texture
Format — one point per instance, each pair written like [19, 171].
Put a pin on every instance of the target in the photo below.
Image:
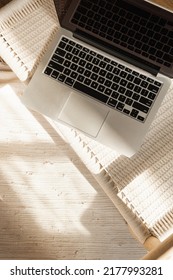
[26, 28]
[144, 182]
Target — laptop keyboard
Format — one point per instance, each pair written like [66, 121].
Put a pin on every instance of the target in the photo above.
[129, 27]
[111, 83]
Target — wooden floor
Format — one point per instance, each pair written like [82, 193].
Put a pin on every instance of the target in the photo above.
[50, 205]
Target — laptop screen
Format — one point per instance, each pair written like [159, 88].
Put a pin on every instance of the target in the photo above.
[146, 32]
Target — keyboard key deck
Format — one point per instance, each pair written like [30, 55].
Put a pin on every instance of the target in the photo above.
[103, 79]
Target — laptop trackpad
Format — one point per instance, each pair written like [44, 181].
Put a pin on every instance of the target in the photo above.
[83, 114]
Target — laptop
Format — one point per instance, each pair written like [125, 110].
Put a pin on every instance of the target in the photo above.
[106, 71]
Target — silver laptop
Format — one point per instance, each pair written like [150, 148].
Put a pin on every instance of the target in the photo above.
[106, 71]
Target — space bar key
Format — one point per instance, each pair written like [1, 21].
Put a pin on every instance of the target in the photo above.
[91, 92]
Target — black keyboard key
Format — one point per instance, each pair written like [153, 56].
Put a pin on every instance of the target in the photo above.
[60, 52]
[67, 72]
[73, 66]
[122, 98]
[109, 76]
[94, 77]
[144, 84]
[140, 107]
[80, 70]
[116, 71]
[61, 78]
[89, 66]
[72, 43]
[102, 72]
[87, 73]
[95, 69]
[100, 56]
[134, 113]
[108, 91]
[152, 96]
[69, 81]
[122, 90]
[144, 92]
[135, 73]
[143, 77]
[114, 86]
[75, 51]
[56, 66]
[130, 78]
[140, 118]
[57, 59]
[130, 86]
[101, 88]
[116, 79]
[86, 50]
[120, 106]
[123, 74]
[91, 92]
[112, 102]
[87, 81]
[62, 45]
[129, 101]
[82, 62]
[79, 46]
[108, 83]
[115, 95]
[64, 39]
[137, 89]
[94, 85]
[68, 56]
[136, 96]
[153, 88]
[67, 63]
[55, 74]
[109, 67]
[48, 71]
[120, 66]
[101, 80]
[129, 93]
[126, 111]
[137, 81]
[82, 54]
[106, 59]
[80, 78]
[123, 82]
[89, 57]
[95, 61]
[102, 64]
[68, 48]
[145, 101]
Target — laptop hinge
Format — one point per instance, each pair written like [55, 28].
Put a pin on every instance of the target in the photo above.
[117, 52]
